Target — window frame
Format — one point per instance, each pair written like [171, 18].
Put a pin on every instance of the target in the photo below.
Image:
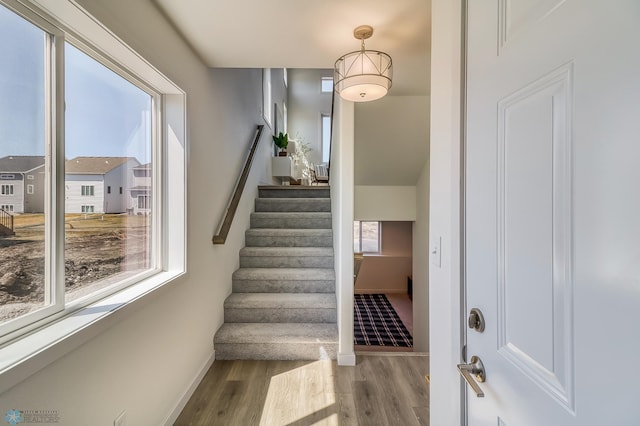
[31, 188]
[38, 342]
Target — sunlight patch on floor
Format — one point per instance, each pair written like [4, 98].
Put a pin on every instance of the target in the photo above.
[305, 394]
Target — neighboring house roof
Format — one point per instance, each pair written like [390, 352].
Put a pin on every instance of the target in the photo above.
[143, 167]
[94, 165]
[20, 163]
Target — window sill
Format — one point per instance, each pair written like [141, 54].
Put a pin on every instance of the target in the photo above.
[29, 354]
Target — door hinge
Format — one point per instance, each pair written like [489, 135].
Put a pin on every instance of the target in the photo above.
[464, 353]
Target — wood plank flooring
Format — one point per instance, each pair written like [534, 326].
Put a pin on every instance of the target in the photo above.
[379, 390]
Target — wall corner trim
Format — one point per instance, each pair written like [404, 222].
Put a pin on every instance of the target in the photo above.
[347, 359]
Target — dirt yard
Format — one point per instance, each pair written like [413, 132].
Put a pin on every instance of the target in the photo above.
[99, 250]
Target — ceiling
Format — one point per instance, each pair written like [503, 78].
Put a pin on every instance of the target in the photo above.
[307, 34]
[313, 34]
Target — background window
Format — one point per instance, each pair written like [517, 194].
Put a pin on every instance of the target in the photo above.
[326, 138]
[6, 189]
[7, 207]
[88, 209]
[326, 85]
[30, 189]
[87, 190]
[366, 237]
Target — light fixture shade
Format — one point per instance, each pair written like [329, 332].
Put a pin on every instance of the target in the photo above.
[363, 76]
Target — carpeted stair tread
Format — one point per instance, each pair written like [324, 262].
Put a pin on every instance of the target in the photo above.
[287, 251]
[284, 237]
[293, 205]
[281, 301]
[278, 333]
[293, 191]
[284, 274]
[292, 220]
[284, 280]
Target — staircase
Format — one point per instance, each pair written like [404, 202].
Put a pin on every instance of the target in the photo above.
[283, 304]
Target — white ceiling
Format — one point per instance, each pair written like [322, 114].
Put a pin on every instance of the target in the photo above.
[313, 34]
[307, 34]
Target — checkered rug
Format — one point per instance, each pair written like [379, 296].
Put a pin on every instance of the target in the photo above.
[376, 323]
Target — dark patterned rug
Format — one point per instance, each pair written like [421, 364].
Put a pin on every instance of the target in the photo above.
[376, 323]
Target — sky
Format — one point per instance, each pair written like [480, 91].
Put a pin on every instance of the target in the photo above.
[105, 115]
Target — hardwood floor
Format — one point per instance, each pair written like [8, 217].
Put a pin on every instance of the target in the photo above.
[379, 390]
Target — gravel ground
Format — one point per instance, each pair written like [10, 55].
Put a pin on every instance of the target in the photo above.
[94, 258]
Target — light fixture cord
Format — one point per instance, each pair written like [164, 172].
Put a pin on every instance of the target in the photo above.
[362, 45]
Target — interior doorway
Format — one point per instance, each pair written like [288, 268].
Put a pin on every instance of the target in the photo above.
[383, 306]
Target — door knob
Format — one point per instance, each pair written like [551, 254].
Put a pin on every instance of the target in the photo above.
[473, 373]
[476, 320]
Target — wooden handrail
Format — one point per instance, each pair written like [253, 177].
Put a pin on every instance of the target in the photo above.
[221, 237]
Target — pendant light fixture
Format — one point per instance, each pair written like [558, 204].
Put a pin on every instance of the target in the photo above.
[364, 75]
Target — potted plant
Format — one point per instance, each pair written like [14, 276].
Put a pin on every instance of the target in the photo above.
[281, 141]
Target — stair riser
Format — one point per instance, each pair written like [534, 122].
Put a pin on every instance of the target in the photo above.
[286, 262]
[262, 351]
[287, 241]
[295, 223]
[293, 205]
[258, 286]
[294, 193]
[279, 315]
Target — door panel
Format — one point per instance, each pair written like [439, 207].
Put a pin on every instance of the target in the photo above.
[552, 239]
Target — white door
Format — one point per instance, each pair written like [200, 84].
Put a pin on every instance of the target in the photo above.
[552, 214]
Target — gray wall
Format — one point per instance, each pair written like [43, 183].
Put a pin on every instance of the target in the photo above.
[306, 106]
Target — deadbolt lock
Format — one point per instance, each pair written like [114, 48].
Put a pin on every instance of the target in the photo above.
[476, 320]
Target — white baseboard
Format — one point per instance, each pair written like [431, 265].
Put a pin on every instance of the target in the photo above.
[347, 359]
[175, 413]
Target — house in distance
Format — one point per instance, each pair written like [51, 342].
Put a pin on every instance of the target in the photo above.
[98, 184]
[22, 184]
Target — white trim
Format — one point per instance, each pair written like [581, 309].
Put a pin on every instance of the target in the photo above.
[393, 354]
[347, 359]
[188, 393]
[445, 310]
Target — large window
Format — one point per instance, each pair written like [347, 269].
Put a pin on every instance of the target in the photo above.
[366, 237]
[109, 119]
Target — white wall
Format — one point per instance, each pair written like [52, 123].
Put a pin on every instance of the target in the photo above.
[393, 203]
[444, 220]
[306, 106]
[421, 264]
[392, 140]
[146, 362]
[341, 181]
